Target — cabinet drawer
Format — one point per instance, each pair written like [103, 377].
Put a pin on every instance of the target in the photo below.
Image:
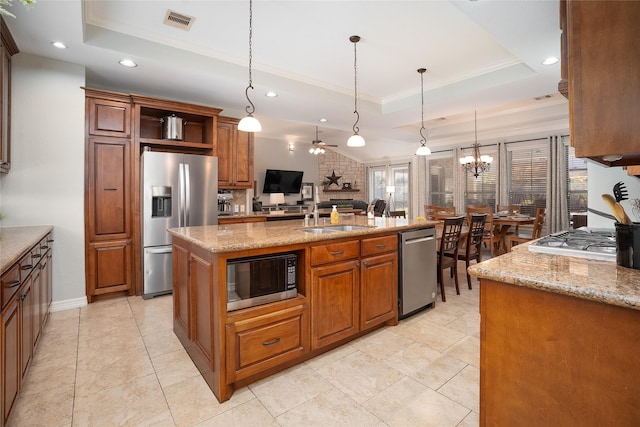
[10, 282]
[379, 245]
[334, 252]
[266, 341]
[28, 263]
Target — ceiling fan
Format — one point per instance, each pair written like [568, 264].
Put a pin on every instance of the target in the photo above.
[317, 146]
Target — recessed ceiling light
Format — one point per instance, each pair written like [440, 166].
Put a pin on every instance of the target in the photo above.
[323, 120]
[128, 63]
[550, 60]
[59, 45]
[271, 94]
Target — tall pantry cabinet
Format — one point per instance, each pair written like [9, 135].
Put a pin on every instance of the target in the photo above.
[108, 198]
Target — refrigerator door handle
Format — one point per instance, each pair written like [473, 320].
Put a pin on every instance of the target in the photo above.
[187, 193]
[181, 197]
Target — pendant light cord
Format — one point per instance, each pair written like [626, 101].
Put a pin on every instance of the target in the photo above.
[355, 40]
[421, 71]
[250, 109]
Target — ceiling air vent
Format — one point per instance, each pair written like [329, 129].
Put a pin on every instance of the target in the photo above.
[540, 98]
[178, 20]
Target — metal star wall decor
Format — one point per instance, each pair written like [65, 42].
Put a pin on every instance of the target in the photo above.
[333, 179]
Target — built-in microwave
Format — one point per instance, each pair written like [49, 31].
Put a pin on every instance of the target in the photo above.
[260, 280]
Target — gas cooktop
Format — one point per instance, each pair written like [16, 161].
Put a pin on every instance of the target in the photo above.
[582, 243]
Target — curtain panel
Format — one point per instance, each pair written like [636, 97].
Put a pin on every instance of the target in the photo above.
[557, 218]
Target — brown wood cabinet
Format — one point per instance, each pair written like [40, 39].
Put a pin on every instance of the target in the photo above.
[262, 342]
[108, 211]
[336, 302]
[602, 62]
[11, 365]
[26, 290]
[345, 288]
[556, 360]
[235, 155]
[8, 48]
[379, 281]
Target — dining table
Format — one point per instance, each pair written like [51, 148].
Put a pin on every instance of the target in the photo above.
[502, 224]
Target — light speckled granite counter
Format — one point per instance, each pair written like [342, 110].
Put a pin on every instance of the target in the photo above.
[16, 241]
[234, 237]
[601, 281]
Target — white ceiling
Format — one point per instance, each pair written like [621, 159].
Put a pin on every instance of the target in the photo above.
[480, 55]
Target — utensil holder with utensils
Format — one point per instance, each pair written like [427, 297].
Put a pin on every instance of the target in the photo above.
[628, 245]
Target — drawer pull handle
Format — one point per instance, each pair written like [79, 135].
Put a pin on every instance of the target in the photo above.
[334, 253]
[27, 267]
[13, 284]
[49, 240]
[37, 255]
[110, 189]
[381, 245]
[44, 247]
[266, 343]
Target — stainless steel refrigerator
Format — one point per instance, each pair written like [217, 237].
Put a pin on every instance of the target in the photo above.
[178, 190]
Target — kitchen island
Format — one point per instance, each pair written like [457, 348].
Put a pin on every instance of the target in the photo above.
[347, 285]
[559, 341]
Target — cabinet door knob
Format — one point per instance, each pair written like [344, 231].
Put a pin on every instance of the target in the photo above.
[266, 343]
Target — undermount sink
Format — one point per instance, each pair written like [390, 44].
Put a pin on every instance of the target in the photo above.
[318, 230]
[348, 227]
[333, 228]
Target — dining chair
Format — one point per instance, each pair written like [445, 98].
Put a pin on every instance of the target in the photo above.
[538, 223]
[473, 242]
[397, 214]
[430, 211]
[443, 212]
[490, 237]
[448, 251]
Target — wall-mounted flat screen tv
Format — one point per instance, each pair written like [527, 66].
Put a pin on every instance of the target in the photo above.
[282, 181]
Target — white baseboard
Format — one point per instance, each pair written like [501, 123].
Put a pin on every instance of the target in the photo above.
[68, 304]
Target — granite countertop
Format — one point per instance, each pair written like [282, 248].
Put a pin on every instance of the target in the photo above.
[234, 237]
[17, 241]
[601, 281]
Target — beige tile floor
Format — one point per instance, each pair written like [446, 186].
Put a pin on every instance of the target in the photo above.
[118, 363]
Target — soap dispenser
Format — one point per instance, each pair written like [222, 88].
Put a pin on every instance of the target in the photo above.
[334, 214]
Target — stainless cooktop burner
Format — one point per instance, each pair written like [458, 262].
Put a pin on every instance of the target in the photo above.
[584, 243]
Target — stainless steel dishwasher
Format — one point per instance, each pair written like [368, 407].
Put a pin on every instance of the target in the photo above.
[417, 279]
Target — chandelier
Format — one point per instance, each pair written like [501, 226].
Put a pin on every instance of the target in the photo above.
[476, 164]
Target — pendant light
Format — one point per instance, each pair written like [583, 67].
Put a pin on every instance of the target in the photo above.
[423, 150]
[355, 140]
[250, 123]
[476, 164]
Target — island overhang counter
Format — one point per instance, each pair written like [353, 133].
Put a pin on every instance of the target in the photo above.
[347, 286]
[559, 340]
